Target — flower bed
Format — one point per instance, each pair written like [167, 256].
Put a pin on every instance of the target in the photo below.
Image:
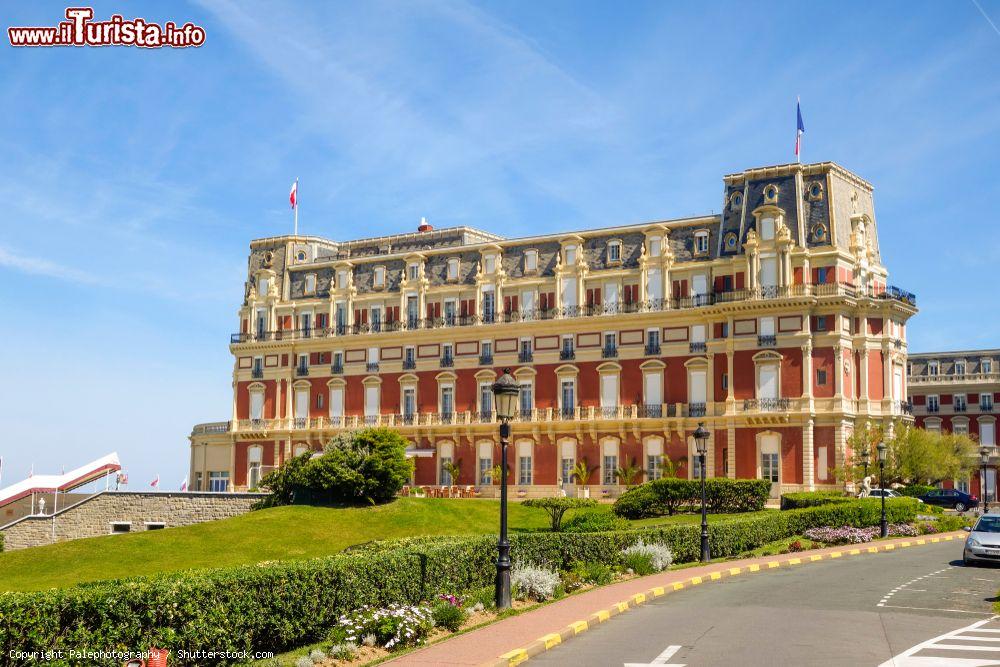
[854, 535]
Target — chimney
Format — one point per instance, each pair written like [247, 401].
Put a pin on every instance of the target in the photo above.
[424, 226]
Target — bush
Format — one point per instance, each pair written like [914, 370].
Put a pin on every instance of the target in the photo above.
[640, 563]
[852, 535]
[448, 616]
[667, 496]
[394, 626]
[280, 605]
[558, 506]
[594, 522]
[794, 501]
[532, 581]
[659, 555]
[366, 466]
[593, 573]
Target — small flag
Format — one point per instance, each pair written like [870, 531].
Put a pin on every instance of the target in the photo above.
[31, 473]
[293, 196]
[800, 128]
[156, 481]
[184, 484]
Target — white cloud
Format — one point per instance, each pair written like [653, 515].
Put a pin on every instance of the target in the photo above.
[39, 266]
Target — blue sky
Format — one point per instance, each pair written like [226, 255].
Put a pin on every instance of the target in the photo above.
[133, 180]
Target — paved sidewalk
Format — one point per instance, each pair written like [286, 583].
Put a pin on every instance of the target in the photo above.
[488, 644]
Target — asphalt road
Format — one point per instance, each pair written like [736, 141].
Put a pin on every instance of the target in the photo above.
[871, 609]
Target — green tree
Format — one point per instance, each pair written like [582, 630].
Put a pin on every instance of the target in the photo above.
[581, 472]
[453, 468]
[557, 507]
[366, 466]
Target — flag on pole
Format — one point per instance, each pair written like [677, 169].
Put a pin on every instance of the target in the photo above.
[31, 473]
[156, 481]
[293, 196]
[799, 130]
[184, 484]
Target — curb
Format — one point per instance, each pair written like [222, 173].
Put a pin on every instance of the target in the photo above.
[549, 641]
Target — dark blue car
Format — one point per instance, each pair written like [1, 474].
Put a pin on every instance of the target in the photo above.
[953, 498]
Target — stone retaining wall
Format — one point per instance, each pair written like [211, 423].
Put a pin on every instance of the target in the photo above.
[95, 515]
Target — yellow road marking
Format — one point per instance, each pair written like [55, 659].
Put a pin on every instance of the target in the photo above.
[695, 581]
[815, 558]
[639, 598]
[550, 640]
[854, 552]
[579, 626]
[602, 615]
[515, 657]
[754, 567]
[658, 591]
[771, 564]
[733, 571]
[678, 586]
[716, 575]
[889, 547]
[794, 561]
[835, 554]
[621, 606]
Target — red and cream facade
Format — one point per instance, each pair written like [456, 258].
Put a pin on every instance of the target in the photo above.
[771, 322]
[956, 392]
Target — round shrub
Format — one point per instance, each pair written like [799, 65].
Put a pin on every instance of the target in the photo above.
[636, 503]
[531, 581]
[448, 616]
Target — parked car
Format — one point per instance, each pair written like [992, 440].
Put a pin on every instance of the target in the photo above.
[983, 542]
[888, 493]
[958, 500]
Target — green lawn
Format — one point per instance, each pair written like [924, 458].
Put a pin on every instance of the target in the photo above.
[274, 534]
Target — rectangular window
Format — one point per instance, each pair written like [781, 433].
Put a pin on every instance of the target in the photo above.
[414, 271]
[490, 264]
[701, 243]
[653, 339]
[257, 406]
[371, 401]
[120, 527]
[725, 381]
[651, 385]
[821, 323]
[218, 481]
[986, 402]
[450, 312]
[489, 306]
[263, 285]
[820, 377]
[987, 366]
[486, 349]
[524, 470]
[987, 434]
[447, 400]
[409, 356]
[566, 470]
[342, 279]
[310, 283]
[485, 470]
[609, 391]
[570, 255]
[959, 368]
[932, 368]
[959, 401]
[486, 401]
[409, 402]
[615, 252]
[654, 246]
[822, 472]
[653, 470]
[609, 341]
[531, 260]
[933, 403]
[445, 475]
[527, 400]
[821, 274]
[962, 485]
[379, 276]
[568, 396]
[452, 269]
[608, 472]
[725, 461]
[336, 403]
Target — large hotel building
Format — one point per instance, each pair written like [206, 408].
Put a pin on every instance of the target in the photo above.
[772, 322]
[955, 392]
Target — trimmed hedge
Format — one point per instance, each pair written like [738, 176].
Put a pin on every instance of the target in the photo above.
[278, 606]
[915, 490]
[666, 496]
[793, 501]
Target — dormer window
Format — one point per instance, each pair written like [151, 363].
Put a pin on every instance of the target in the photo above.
[570, 254]
[701, 243]
[959, 368]
[379, 276]
[815, 191]
[310, 286]
[932, 368]
[530, 261]
[453, 269]
[737, 200]
[301, 256]
[615, 252]
[987, 365]
[731, 241]
[771, 194]
[342, 279]
[766, 229]
[263, 285]
[490, 264]
[413, 271]
[655, 246]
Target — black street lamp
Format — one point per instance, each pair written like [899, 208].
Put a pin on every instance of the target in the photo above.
[701, 443]
[984, 460]
[881, 482]
[506, 391]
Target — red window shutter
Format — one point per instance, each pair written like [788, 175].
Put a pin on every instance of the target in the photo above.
[513, 301]
[543, 301]
[357, 315]
[437, 309]
[364, 316]
[288, 321]
[676, 289]
[684, 288]
[314, 358]
[740, 280]
[463, 308]
[718, 330]
[245, 326]
[815, 276]
[506, 304]
[720, 284]
[430, 311]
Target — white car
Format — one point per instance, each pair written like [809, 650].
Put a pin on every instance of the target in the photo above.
[888, 493]
[983, 542]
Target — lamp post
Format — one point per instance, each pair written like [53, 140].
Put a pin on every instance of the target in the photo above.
[506, 392]
[984, 460]
[881, 482]
[701, 443]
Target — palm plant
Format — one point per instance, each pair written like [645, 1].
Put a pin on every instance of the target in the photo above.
[454, 469]
[669, 467]
[581, 471]
[628, 473]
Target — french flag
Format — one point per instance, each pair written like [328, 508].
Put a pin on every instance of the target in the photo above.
[800, 128]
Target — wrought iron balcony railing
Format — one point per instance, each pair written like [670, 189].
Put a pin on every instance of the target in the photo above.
[650, 410]
[697, 409]
[371, 367]
[301, 370]
[652, 349]
[767, 341]
[257, 373]
[337, 368]
[525, 356]
[614, 308]
[698, 348]
[447, 361]
[986, 407]
[486, 360]
[567, 353]
[409, 364]
[609, 352]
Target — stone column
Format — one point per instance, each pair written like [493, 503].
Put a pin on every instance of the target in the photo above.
[808, 458]
[731, 449]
